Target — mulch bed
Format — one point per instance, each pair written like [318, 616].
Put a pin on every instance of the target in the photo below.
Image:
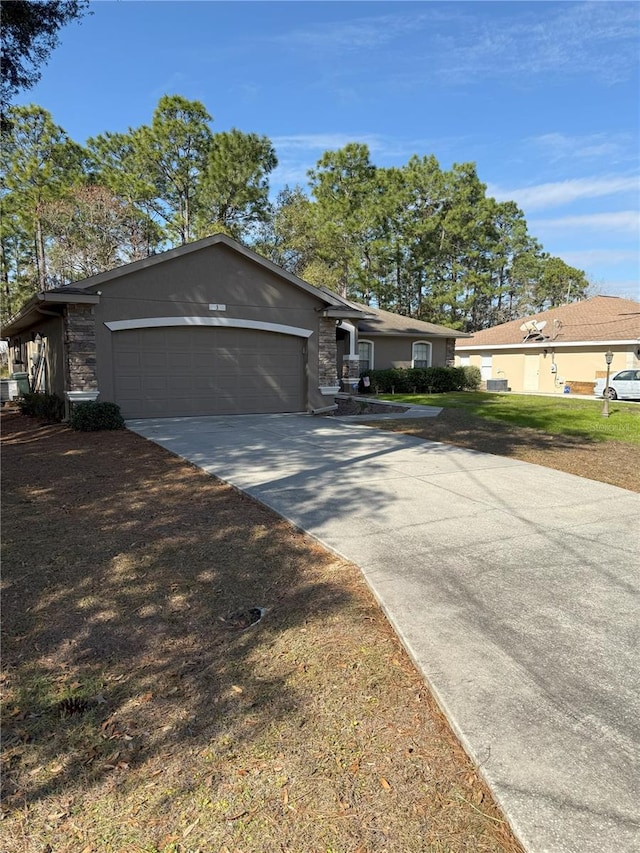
[146, 707]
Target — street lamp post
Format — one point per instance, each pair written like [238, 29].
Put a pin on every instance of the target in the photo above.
[605, 408]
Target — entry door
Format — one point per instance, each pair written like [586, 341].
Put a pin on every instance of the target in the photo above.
[531, 370]
[486, 362]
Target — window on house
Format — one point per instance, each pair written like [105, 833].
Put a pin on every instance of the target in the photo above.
[365, 354]
[421, 354]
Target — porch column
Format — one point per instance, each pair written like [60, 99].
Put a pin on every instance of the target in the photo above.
[80, 350]
[327, 356]
[450, 353]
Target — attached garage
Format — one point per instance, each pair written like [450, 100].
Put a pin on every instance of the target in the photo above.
[185, 371]
[208, 328]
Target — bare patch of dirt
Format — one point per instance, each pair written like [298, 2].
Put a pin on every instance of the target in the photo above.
[611, 462]
[145, 705]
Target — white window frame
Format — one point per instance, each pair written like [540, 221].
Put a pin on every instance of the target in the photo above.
[372, 349]
[429, 360]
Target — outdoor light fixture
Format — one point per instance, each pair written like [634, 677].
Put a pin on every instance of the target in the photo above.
[608, 357]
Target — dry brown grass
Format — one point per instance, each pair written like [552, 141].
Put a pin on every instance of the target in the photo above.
[308, 731]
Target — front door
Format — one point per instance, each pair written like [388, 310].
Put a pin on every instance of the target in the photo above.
[531, 369]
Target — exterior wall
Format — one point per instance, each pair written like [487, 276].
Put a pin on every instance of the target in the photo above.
[216, 275]
[580, 365]
[396, 350]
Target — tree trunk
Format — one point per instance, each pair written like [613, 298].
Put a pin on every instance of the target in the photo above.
[41, 260]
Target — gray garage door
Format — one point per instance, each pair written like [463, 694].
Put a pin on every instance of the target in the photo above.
[173, 372]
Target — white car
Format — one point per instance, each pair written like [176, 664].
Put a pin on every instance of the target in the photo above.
[624, 385]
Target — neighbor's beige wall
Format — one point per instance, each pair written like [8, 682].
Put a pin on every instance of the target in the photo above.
[580, 364]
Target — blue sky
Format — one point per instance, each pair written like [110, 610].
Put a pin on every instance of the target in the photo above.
[544, 97]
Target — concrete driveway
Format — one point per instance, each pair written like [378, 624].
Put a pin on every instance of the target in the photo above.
[513, 587]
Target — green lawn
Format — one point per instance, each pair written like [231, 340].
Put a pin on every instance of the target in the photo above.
[554, 415]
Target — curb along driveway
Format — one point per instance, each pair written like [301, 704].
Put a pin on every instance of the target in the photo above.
[514, 588]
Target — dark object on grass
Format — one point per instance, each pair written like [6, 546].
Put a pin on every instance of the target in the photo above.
[71, 707]
[244, 618]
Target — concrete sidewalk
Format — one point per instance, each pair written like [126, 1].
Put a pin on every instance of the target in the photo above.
[514, 588]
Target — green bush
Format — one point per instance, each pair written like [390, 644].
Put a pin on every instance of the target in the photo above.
[46, 407]
[93, 416]
[472, 377]
[417, 380]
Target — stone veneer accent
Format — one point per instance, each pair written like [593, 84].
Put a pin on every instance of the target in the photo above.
[450, 355]
[80, 348]
[327, 353]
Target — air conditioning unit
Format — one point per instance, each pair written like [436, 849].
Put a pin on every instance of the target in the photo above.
[497, 384]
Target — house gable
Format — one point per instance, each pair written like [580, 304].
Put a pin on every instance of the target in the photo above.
[601, 319]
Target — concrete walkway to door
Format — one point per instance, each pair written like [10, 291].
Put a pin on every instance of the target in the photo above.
[514, 588]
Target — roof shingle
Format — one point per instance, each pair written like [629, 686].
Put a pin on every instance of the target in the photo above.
[601, 318]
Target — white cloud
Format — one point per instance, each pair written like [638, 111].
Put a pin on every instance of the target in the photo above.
[594, 146]
[324, 141]
[362, 33]
[560, 193]
[618, 221]
[599, 39]
[596, 39]
[289, 173]
[597, 257]
[385, 150]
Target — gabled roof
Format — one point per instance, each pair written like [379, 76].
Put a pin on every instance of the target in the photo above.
[600, 319]
[87, 290]
[103, 278]
[387, 323]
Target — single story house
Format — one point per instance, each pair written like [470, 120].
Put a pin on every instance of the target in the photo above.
[558, 351]
[208, 328]
[388, 340]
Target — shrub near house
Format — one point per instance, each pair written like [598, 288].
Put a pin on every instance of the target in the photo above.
[423, 380]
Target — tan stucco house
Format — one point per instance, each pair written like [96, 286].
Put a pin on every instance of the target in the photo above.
[208, 328]
[558, 351]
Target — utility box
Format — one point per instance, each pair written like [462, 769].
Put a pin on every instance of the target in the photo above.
[8, 390]
[497, 384]
[22, 380]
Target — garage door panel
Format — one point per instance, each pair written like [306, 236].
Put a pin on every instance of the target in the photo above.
[180, 385]
[201, 370]
[131, 384]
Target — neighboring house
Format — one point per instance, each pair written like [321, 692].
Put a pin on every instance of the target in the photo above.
[561, 350]
[207, 328]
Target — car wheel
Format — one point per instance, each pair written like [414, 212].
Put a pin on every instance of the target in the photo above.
[611, 393]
